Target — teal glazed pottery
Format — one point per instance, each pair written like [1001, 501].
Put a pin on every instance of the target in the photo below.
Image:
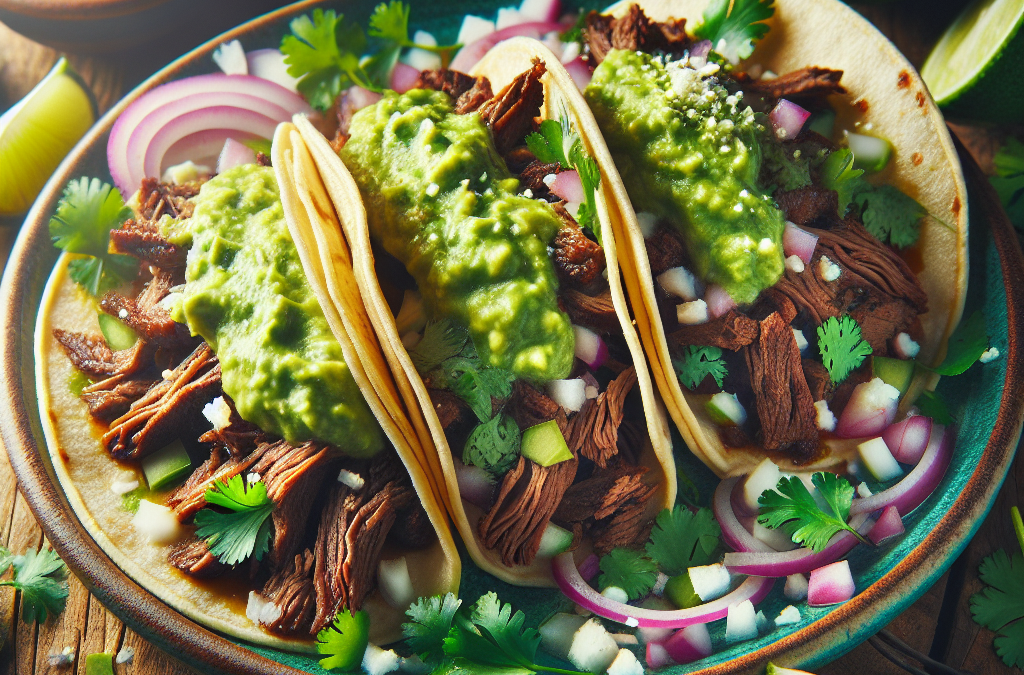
[889, 579]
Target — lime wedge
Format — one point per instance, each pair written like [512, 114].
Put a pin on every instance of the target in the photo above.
[36, 134]
[974, 70]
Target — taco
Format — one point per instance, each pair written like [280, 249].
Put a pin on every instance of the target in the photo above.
[222, 365]
[499, 306]
[780, 266]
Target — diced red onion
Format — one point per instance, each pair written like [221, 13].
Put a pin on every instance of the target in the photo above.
[403, 77]
[580, 72]
[473, 52]
[701, 49]
[888, 525]
[475, 484]
[568, 186]
[831, 584]
[908, 439]
[689, 644]
[797, 561]
[590, 566]
[657, 656]
[541, 10]
[719, 301]
[590, 348]
[268, 64]
[577, 590]
[799, 242]
[234, 154]
[788, 119]
[871, 408]
[910, 492]
[733, 533]
[118, 151]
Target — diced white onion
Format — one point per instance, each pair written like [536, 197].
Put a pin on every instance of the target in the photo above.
[377, 661]
[787, 616]
[741, 622]
[218, 413]
[794, 263]
[395, 583]
[801, 341]
[616, 594]
[570, 394]
[156, 523]
[796, 587]
[473, 28]
[829, 270]
[680, 282]
[261, 611]
[906, 346]
[826, 419]
[989, 355]
[692, 313]
[626, 663]
[230, 57]
[352, 480]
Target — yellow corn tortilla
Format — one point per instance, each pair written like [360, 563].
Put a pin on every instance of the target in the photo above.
[924, 165]
[85, 469]
[500, 66]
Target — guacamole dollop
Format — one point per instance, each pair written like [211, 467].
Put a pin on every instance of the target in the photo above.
[440, 199]
[688, 152]
[247, 296]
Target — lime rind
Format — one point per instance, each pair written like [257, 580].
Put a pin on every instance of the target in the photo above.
[970, 46]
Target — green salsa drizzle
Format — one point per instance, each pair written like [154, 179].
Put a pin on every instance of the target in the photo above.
[688, 152]
[441, 200]
[247, 296]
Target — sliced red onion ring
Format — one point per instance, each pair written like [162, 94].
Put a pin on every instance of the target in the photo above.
[908, 439]
[719, 301]
[797, 561]
[203, 147]
[590, 566]
[568, 186]
[234, 154]
[268, 64]
[403, 77]
[580, 72]
[910, 492]
[576, 589]
[788, 119]
[735, 535]
[799, 242]
[473, 52]
[117, 145]
[689, 644]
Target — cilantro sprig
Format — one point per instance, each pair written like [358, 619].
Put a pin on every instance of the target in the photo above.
[1000, 605]
[791, 507]
[697, 362]
[246, 529]
[557, 141]
[390, 22]
[682, 538]
[87, 212]
[630, 570]
[841, 346]
[41, 578]
[484, 639]
[344, 640]
[966, 345]
[1009, 179]
[733, 26]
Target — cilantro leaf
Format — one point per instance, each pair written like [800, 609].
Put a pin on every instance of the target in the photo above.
[931, 405]
[682, 539]
[791, 507]
[739, 27]
[323, 53]
[87, 212]
[891, 215]
[244, 531]
[698, 362]
[441, 341]
[546, 143]
[1009, 179]
[497, 622]
[1000, 606]
[788, 172]
[968, 342]
[630, 570]
[476, 384]
[549, 145]
[431, 622]
[390, 22]
[841, 347]
[40, 576]
[837, 173]
[344, 640]
[494, 445]
[590, 177]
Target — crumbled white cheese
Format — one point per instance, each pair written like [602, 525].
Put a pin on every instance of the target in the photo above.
[122, 314]
[801, 341]
[692, 313]
[794, 263]
[591, 391]
[826, 420]
[829, 270]
[433, 189]
[907, 346]
[549, 179]
[990, 354]
[168, 374]
[217, 411]
[353, 480]
[377, 661]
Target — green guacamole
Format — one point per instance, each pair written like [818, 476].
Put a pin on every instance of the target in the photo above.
[689, 153]
[247, 296]
[441, 200]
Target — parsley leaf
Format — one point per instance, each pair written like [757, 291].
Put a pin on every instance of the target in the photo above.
[837, 173]
[246, 530]
[441, 341]
[87, 212]
[557, 141]
[792, 507]
[323, 53]
[1009, 179]
[682, 539]
[891, 215]
[494, 445]
[390, 22]
[630, 570]
[1000, 606]
[698, 362]
[931, 405]
[431, 622]
[968, 342]
[40, 576]
[842, 349]
[739, 27]
[344, 640]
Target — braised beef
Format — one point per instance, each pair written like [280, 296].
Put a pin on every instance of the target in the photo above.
[578, 259]
[511, 112]
[819, 382]
[634, 32]
[592, 311]
[142, 239]
[190, 496]
[91, 355]
[157, 199]
[451, 410]
[731, 330]
[809, 86]
[468, 93]
[529, 495]
[665, 250]
[193, 557]
[529, 407]
[238, 437]
[809, 292]
[262, 159]
[291, 590]
[146, 317]
[810, 205]
[594, 430]
[109, 404]
[412, 529]
[532, 178]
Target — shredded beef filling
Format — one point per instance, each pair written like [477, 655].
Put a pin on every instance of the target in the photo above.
[510, 113]
[292, 591]
[193, 557]
[633, 32]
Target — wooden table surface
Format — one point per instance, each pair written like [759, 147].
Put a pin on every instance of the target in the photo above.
[939, 623]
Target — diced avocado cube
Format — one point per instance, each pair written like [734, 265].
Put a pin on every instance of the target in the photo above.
[555, 540]
[679, 590]
[544, 444]
[725, 410]
[116, 333]
[869, 152]
[99, 664]
[895, 372]
[166, 466]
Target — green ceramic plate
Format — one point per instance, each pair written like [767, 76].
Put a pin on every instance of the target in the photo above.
[888, 579]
